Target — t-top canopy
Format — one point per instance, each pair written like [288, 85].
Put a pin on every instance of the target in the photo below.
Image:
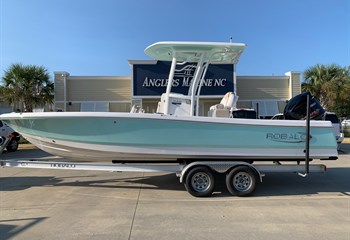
[216, 52]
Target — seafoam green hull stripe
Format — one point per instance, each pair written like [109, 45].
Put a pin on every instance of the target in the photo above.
[158, 132]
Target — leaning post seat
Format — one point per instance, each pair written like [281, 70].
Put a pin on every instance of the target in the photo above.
[224, 107]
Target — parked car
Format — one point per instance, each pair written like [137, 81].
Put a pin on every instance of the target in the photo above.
[337, 128]
[2, 141]
[7, 132]
[346, 124]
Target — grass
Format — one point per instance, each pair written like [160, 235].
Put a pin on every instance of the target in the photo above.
[23, 141]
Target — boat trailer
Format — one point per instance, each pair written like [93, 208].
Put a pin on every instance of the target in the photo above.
[198, 177]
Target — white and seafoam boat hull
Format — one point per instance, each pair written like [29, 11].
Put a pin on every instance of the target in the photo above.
[154, 137]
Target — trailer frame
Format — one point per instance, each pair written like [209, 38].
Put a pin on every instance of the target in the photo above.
[198, 177]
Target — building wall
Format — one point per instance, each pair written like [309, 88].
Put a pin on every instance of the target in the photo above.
[267, 91]
[98, 88]
[73, 91]
[117, 92]
[254, 87]
[5, 107]
[295, 83]
[60, 78]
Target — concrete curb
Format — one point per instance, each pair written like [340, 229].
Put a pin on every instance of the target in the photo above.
[26, 146]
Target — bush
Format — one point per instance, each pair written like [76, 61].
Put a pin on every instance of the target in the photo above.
[23, 141]
[347, 133]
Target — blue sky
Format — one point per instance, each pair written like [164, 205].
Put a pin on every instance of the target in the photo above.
[98, 37]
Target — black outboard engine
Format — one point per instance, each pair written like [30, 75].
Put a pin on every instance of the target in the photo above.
[296, 108]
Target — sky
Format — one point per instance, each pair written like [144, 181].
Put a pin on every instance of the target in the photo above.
[98, 37]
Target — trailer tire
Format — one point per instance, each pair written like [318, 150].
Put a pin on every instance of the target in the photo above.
[12, 146]
[199, 181]
[241, 181]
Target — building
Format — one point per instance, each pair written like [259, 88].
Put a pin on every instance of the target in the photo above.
[148, 81]
[4, 106]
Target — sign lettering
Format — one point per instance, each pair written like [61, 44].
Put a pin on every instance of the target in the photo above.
[152, 79]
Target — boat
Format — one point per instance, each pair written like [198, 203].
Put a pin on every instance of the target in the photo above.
[176, 132]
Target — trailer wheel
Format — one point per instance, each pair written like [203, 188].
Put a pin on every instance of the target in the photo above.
[241, 181]
[12, 146]
[200, 182]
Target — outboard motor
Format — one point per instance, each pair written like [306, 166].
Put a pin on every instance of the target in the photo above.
[296, 108]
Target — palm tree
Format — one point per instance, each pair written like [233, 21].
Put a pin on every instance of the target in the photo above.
[329, 84]
[28, 84]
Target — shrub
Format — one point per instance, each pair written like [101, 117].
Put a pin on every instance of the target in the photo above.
[347, 133]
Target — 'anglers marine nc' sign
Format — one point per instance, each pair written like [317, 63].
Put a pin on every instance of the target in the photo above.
[152, 79]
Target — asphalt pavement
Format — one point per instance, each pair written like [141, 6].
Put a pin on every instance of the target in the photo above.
[63, 204]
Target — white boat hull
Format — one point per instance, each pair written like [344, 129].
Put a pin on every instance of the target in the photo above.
[150, 150]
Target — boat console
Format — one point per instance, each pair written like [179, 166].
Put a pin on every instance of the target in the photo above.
[202, 53]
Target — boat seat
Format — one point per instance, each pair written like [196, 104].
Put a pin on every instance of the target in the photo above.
[160, 108]
[136, 109]
[223, 109]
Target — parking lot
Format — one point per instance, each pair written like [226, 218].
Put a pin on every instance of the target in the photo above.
[63, 204]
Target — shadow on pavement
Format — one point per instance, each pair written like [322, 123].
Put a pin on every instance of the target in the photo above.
[29, 153]
[344, 148]
[162, 182]
[336, 180]
[9, 229]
